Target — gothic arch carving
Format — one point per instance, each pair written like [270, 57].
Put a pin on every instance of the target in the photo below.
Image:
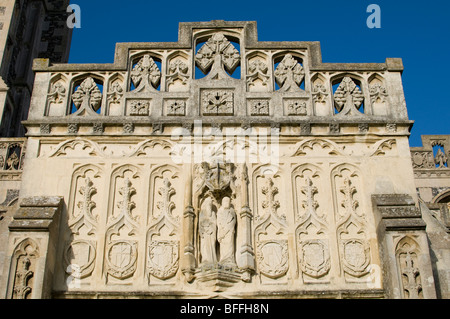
[407, 256]
[324, 146]
[290, 73]
[83, 199]
[312, 230]
[163, 233]
[351, 223]
[178, 71]
[69, 148]
[23, 268]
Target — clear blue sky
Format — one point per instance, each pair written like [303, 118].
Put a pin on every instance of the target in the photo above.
[416, 31]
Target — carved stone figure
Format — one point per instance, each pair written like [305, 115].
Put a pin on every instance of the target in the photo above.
[208, 232]
[226, 228]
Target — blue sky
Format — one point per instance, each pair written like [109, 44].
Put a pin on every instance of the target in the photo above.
[416, 31]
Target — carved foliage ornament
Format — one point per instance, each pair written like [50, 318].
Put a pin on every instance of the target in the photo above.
[348, 97]
[146, 75]
[178, 70]
[57, 93]
[87, 98]
[289, 74]
[217, 53]
[257, 70]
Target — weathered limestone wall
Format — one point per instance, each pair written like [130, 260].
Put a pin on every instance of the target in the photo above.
[285, 177]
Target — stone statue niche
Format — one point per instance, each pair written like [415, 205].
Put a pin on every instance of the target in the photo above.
[217, 225]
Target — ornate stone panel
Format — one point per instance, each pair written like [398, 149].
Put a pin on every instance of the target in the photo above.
[217, 102]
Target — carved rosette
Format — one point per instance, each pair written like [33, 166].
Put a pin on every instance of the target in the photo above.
[217, 102]
[272, 258]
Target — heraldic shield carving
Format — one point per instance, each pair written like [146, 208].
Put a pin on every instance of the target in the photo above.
[272, 257]
[163, 259]
[315, 258]
[121, 259]
[81, 255]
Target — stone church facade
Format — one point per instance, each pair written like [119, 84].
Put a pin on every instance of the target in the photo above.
[222, 166]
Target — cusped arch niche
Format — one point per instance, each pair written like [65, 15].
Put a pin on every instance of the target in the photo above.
[321, 95]
[57, 95]
[407, 254]
[86, 95]
[163, 232]
[258, 73]
[378, 95]
[116, 89]
[178, 72]
[23, 266]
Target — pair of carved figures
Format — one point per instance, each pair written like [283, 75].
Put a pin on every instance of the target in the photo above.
[218, 230]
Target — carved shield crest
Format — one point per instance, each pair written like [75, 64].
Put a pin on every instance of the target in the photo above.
[80, 253]
[315, 258]
[163, 259]
[272, 257]
[355, 257]
[218, 176]
[121, 259]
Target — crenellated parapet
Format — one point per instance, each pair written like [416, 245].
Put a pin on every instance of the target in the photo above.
[217, 72]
